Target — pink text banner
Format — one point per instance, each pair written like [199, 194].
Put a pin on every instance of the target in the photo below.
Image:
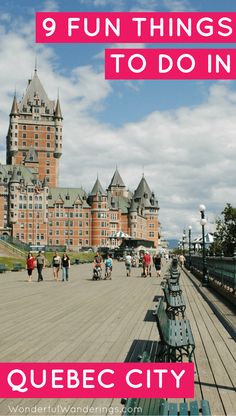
[135, 27]
[96, 380]
[175, 64]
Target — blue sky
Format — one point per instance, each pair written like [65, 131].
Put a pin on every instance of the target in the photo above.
[180, 133]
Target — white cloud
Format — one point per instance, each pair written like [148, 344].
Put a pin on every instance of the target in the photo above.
[51, 6]
[177, 5]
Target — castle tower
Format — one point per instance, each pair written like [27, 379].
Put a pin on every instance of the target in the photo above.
[99, 215]
[13, 197]
[145, 208]
[12, 136]
[117, 186]
[36, 123]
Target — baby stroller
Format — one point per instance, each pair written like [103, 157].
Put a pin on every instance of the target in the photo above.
[97, 273]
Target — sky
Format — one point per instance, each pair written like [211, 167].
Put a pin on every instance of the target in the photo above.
[180, 134]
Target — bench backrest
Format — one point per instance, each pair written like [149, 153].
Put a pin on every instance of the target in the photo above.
[162, 320]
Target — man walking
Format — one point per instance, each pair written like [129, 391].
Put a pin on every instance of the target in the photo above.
[40, 262]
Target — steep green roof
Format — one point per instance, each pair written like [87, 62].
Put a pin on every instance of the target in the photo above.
[97, 189]
[35, 90]
[69, 196]
[116, 180]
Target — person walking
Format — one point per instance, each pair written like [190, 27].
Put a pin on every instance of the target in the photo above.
[108, 267]
[128, 264]
[146, 264]
[40, 264]
[30, 264]
[56, 264]
[181, 260]
[65, 265]
[157, 264]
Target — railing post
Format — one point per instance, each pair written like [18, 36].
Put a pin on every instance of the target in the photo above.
[234, 288]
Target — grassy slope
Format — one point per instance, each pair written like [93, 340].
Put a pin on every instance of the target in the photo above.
[9, 261]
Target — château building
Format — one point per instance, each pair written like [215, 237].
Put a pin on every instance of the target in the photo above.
[36, 211]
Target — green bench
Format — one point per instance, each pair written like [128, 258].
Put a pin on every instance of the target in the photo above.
[176, 336]
[17, 267]
[173, 287]
[162, 407]
[3, 268]
[174, 304]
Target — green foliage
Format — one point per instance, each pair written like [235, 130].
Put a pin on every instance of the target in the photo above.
[225, 235]
[9, 261]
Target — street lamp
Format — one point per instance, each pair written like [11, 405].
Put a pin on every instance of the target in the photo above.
[183, 240]
[189, 245]
[203, 222]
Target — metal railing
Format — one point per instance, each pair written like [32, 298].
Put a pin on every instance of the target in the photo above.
[221, 270]
[15, 242]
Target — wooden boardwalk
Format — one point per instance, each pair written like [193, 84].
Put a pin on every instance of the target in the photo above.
[85, 320]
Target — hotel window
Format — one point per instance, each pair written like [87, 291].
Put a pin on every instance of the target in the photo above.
[24, 136]
[36, 136]
[24, 127]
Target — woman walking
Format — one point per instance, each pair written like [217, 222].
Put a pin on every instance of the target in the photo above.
[30, 264]
[65, 265]
[56, 264]
[157, 264]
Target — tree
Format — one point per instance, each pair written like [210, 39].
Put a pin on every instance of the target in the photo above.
[225, 235]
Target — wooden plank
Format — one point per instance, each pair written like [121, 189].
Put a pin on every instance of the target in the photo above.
[220, 382]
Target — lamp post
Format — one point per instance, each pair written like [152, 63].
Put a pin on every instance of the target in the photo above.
[189, 246]
[203, 222]
[183, 240]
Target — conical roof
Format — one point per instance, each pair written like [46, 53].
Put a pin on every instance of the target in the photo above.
[32, 156]
[14, 177]
[97, 189]
[14, 108]
[36, 90]
[143, 190]
[116, 180]
[58, 113]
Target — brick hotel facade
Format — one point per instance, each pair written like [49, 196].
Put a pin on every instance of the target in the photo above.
[36, 211]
